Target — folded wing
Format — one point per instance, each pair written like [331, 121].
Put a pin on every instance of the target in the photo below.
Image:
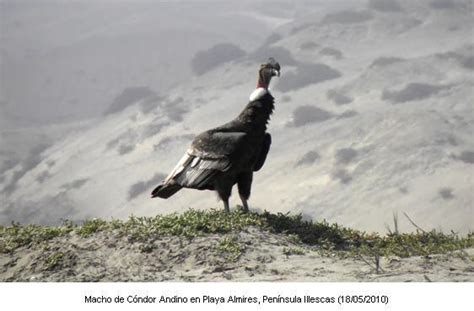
[210, 153]
[267, 141]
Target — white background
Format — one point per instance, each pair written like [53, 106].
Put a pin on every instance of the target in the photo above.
[402, 296]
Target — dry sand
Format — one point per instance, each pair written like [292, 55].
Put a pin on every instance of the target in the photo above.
[264, 256]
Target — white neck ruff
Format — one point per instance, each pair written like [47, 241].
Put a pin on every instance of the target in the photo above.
[258, 93]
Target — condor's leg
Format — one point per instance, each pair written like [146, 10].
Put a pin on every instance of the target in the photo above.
[224, 191]
[244, 183]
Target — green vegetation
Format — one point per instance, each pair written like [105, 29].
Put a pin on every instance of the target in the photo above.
[231, 248]
[320, 236]
[16, 235]
[288, 251]
[188, 224]
[91, 226]
[54, 260]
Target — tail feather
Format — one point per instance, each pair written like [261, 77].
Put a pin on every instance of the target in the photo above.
[164, 191]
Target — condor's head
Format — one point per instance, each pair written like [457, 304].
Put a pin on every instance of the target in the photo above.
[266, 72]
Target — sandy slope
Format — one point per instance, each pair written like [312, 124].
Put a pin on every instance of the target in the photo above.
[265, 257]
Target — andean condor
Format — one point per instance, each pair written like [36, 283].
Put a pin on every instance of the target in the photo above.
[229, 154]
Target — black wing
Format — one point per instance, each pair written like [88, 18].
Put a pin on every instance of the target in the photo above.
[267, 141]
[209, 154]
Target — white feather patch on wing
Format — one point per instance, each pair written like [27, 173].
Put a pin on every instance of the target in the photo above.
[195, 161]
[201, 173]
[179, 167]
[258, 93]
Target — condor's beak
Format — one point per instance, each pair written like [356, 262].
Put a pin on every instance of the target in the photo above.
[276, 72]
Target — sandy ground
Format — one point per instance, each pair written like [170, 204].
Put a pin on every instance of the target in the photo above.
[264, 257]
